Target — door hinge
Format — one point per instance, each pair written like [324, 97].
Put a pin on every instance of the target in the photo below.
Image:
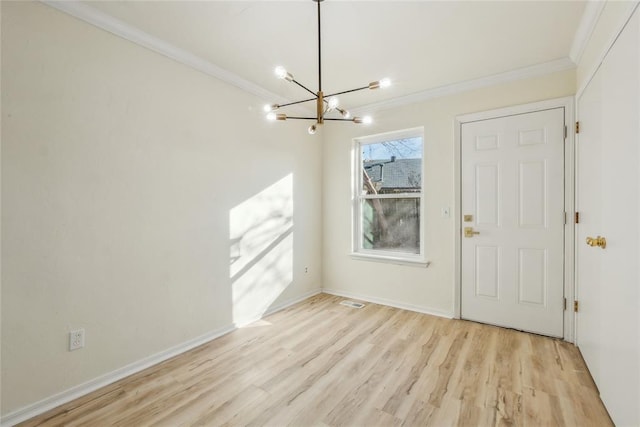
[565, 132]
[577, 127]
[565, 305]
[565, 218]
[577, 218]
[576, 306]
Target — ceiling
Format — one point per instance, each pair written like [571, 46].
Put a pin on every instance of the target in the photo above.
[419, 45]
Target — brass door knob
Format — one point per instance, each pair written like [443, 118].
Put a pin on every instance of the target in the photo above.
[597, 241]
[468, 232]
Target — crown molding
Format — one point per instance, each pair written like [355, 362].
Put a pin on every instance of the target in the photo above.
[585, 29]
[120, 28]
[495, 79]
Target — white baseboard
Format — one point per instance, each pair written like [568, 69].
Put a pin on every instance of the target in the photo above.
[280, 306]
[80, 390]
[390, 303]
[292, 301]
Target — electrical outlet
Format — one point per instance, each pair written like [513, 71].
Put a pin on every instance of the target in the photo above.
[306, 269]
[76, 339]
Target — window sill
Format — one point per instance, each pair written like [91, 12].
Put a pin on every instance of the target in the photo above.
[390, 260]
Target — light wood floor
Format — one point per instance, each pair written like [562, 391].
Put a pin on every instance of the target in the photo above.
[319, 363]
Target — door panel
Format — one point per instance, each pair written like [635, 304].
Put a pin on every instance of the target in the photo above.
[608, 198]
[487, 271]
[532, 276]
[513, 188]
[487, 179]
[532, 194]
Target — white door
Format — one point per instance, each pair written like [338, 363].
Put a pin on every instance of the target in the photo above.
[608, 195]
[513, 196]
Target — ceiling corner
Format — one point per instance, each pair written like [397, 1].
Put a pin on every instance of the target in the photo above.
[585, 29]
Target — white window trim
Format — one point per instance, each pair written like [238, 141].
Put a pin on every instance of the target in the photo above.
[392, 257]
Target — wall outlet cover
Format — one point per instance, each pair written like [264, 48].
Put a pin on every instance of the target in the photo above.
[76, 339]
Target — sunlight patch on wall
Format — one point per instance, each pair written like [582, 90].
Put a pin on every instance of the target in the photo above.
[261, 250]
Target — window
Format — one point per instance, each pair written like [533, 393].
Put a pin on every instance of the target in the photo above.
[387, 196]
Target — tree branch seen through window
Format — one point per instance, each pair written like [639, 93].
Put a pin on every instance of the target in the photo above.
[389, 192]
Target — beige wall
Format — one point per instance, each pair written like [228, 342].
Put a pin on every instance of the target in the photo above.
[428, 289]
[130, 185]
[127, 186]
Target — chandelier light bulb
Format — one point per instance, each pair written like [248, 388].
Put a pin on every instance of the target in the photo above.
[273, 116]
[270, 107]
[312, 129]
[380, 84]
[367, 120]
[333, 103]
[345, 114]
[282, 73]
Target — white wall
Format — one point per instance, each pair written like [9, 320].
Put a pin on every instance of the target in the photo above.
[614, 14]
[428, 289]
[128, 183]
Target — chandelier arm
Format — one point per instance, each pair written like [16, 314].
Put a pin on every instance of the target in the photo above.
[348, 91]
[335, 120]
[305, 88]
[302, 118]
[297, 102]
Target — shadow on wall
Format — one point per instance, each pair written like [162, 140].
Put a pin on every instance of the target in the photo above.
[261, 254]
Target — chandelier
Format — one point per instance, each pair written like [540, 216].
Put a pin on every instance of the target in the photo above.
[325, 104]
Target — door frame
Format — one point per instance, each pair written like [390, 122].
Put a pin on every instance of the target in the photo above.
[567, 103]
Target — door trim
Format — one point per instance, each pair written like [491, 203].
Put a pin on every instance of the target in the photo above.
[567, 103]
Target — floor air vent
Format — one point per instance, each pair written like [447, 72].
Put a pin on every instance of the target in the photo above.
[352, 304]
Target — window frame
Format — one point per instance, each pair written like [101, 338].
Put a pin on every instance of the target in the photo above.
[357, 198]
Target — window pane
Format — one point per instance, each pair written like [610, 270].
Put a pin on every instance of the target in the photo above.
[392, 167]
[391, 224]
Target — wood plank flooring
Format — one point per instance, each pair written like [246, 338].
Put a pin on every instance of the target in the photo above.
[319, 363]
